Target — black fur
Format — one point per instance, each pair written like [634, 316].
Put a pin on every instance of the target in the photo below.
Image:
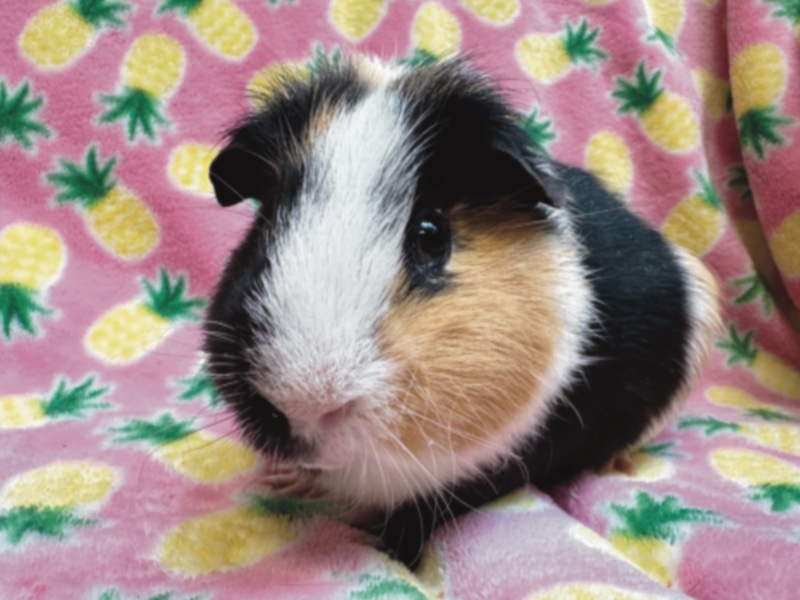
[260, 160]
[474, 155]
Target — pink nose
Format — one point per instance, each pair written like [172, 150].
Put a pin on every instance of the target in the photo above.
[335, 415]
[324, 416]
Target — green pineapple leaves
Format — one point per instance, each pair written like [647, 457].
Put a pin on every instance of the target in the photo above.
[168, 299]
[786, 9]
[100, 13]
[83, 184]
[184, 7]
[47, 521]
[639, 94]
[580, 44]
[754, 289]
[199, 385]
[758, 128]
[661, 520]
[74, 400]
[163, 430]
[740, 348]
[739, 180]
[376, 587]
[539, 129]
[781, 496]
[137, 108]
[18, 305]
[18, 120]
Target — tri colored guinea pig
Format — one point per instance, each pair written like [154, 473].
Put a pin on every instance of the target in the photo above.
[427, 312]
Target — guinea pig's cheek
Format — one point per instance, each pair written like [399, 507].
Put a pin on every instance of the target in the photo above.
[471, 360]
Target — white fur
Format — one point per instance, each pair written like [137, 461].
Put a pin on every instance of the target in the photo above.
[332, 269]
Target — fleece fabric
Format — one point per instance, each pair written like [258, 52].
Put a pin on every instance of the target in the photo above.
[121, 473]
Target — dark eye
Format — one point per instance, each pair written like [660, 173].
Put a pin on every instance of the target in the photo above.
[432, 243]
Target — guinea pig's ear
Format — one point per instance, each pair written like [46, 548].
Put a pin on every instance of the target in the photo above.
[520, 170]
[238, 172]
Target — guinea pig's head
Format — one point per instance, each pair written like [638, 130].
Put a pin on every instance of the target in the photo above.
[399, 314]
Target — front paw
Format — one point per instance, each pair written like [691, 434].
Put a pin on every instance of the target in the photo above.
[293, 481]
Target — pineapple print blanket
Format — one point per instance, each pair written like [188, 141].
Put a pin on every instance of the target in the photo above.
[120, 475]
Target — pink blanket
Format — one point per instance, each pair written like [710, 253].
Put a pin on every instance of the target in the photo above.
[121, 475]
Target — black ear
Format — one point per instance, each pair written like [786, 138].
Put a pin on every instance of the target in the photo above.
[519, 170]
[240, 172]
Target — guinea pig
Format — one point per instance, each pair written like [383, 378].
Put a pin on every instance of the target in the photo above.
[427, 312]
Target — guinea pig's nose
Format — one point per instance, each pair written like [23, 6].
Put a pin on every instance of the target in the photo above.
[325, 416]
[335, 415]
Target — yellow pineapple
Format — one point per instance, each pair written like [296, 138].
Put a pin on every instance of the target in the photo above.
[47, 500]
[60, 33]
[666, 118]
[697, 221]
[235, 537]
[355, 19]
[758, 77]
[609, 159]
[589, 591]
[60, 484]
[188, 167]
[31, 259]
[714, 92]
[758, 81]
[748, 467]
[773, 480]
[655, 557]
[547, 57]
[649, 530]
[195, 454]
[666, 17]
[126, 332]
[222, 541]
[220, 25]
[154, 64]
[151, 71]
[732, 397]
[773, 373]
[118, 219]
[65, 401]
[494, 12]
[435, 31]
[785, 245]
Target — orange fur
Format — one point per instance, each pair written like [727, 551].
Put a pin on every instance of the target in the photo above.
[469, 364]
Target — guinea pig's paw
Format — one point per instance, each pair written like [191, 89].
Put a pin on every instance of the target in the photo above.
[621, 463]
[291, 480]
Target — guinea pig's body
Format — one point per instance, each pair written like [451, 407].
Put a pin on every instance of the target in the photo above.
[427, 313]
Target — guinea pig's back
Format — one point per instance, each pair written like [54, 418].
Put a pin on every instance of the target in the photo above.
[656, 314]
